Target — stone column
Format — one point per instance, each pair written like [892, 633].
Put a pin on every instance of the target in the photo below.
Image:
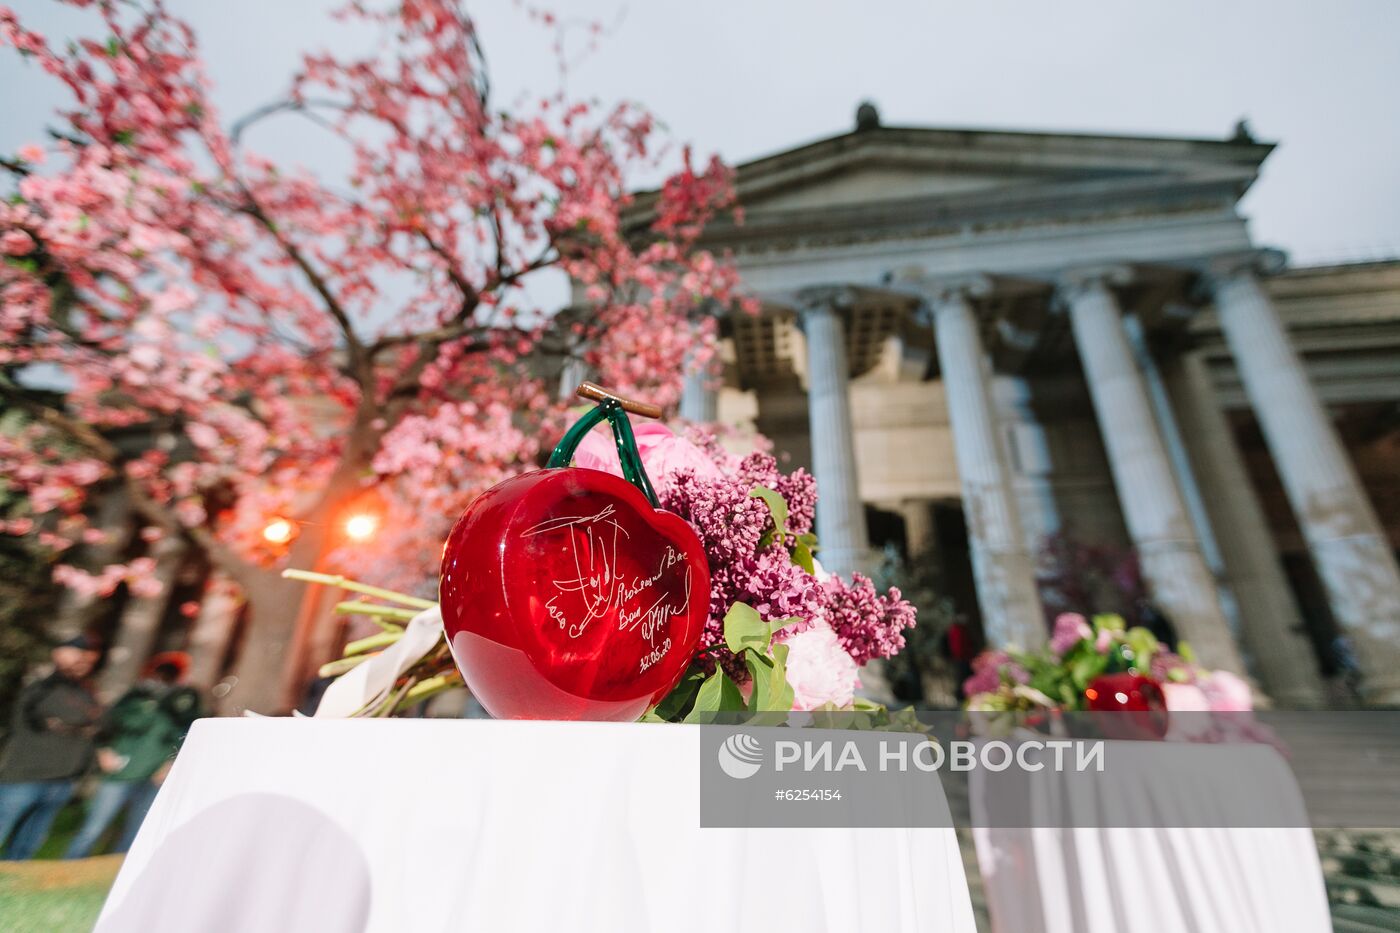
[699, 398]
[1347, 543]
[140, 622]
[919, 532]
[1002, 568]
[845, 543]
[1279, 649]
[1166, 544]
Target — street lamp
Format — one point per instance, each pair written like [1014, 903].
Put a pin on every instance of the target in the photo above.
[278, 531]
[361, 526]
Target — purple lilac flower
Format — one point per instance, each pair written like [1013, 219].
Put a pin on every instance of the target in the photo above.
[991, 669]
[730, 524]
[799, 488]
[1070, 629]
[868, 624]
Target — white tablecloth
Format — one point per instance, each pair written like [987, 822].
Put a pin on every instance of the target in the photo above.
[311, 825]
[1135, 879]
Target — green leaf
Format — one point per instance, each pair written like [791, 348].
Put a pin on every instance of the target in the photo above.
[783, 694]
[802, 556]
[744, 629]
[717, 694]
[761, 672]
[1084, 670]
[771, 692]
[1108, 621]
[777, 506]
[1144, 645]
[680, 698]
[1188, 654]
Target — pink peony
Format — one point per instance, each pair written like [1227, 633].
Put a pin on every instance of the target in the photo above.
[663, 454]
[1194, 724]
[1070, 629]
[819, 670]
[1226, 692]
[1185, 698]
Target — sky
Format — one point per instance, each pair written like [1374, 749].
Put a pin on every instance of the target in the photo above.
[750, 78]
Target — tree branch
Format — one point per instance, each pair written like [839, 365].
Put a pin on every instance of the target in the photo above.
[359, 361]
[85, 435]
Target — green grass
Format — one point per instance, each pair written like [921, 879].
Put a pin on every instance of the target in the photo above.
[53, 896]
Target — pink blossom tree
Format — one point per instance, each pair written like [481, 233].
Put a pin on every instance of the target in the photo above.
[282, 345]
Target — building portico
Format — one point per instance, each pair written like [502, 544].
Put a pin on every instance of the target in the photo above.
[961, 317]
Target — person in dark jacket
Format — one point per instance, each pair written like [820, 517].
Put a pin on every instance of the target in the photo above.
[138, 739]
[51, 745]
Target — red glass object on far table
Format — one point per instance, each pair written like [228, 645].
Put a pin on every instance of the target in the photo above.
[1138, 706]
[566, 594]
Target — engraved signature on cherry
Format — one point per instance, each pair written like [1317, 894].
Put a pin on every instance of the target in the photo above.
[601, 590]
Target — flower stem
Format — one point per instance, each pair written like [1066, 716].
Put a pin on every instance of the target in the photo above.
[371, 609]
[382, 640]
[337, 580]
[342, 665]
[430, 687]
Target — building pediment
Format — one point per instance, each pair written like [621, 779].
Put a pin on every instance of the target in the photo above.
[881, 180]
[876, 164]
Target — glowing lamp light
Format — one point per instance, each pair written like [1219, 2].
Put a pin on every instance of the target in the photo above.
[278, 531]
[361, 527]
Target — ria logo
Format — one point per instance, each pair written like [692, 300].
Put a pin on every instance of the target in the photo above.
[740, 756]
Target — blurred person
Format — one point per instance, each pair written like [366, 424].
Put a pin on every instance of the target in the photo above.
[137, 742]
[51, 746]
[959, 645]
[1151, 617]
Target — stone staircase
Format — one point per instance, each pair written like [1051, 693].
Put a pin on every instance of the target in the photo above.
[1362, 868]
[974, 880]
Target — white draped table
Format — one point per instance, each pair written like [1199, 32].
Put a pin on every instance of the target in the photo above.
[425, 825]
[1082, 868]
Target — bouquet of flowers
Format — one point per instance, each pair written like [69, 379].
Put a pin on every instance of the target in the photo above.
[781, 632]
[1082, 654]
[1079, 651]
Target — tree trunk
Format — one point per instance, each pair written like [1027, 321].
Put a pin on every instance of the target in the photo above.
[279, 611]
[76, 613]
[256, 681]
[140, 622]
[209, 639]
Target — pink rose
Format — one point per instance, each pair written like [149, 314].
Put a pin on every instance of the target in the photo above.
[1070, 629]
[819, 670]
[663, 454]
[1226, 692]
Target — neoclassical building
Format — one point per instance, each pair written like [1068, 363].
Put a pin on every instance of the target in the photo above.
[1026, 335]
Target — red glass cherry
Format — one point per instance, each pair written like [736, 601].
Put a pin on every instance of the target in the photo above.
[565, 595]
[1138, 702]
